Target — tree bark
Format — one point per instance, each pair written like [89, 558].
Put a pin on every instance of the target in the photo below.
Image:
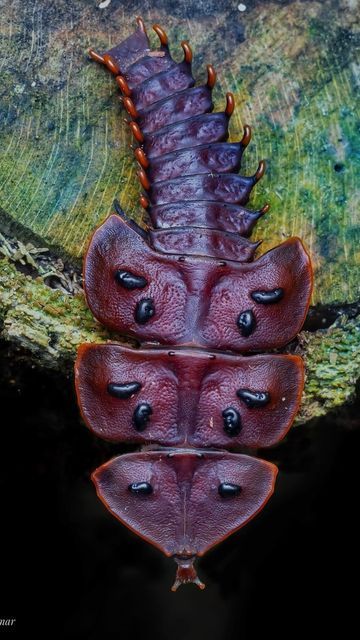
[64, 157]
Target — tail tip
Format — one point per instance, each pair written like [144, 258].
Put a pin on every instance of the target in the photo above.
[186, 573]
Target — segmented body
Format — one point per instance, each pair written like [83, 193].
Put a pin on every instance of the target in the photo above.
[188, 290]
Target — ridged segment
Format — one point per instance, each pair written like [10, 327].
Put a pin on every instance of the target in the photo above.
[162, 85]
[208, 214]
[203, 242]
[149, 65]
[216, 158]
[234, 189]
[178, 135]
[176, 108]
[182, 512]
[187, 134]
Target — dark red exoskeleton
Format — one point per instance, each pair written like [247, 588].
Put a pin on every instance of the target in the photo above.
[188, 290]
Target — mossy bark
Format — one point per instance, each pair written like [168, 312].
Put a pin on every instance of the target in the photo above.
[64, 155]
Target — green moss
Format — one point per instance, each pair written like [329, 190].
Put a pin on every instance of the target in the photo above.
[332, 361]
[48, 323]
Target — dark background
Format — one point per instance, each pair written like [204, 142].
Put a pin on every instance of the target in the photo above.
[69, 568]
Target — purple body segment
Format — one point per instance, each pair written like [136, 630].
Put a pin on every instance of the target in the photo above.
[230, 188]
[154, 62]
[177, 108]
[189, 133]
[195, 241]
[196, 390]
[130, 50]
[193, 300]
[220, 157]
[182, 512]
[204, 213]
[162, 85]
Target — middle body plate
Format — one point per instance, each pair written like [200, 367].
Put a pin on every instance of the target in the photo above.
[187, 397]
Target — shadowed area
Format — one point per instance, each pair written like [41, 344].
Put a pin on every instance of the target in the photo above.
[93, 576]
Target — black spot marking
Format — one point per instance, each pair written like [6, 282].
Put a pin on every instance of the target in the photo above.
[141, 488]
[129, 280]
[141, 416]
[339, 167]
[254, 398]
[124, 390]
[229, 490]
[246, 322]
[268, 297]
[232, 421]
[145, 310]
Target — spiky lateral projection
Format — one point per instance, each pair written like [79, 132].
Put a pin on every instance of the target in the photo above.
[188, 282]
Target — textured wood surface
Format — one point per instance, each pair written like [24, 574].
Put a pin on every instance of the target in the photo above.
[64, 149]
[292, 66]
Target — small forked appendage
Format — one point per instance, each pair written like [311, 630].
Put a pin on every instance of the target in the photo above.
[161, 35]
[123, 86]
[230, 104]
[187, 51]
[96, 56]
[264, 209]
[186, 573]
[141, 157]
[246, 136]
[130, 107]
[111, 64]
[136, 131]
[259, 171]
[144, 180]
[145, 203]
[211, 76]
[141, 24]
